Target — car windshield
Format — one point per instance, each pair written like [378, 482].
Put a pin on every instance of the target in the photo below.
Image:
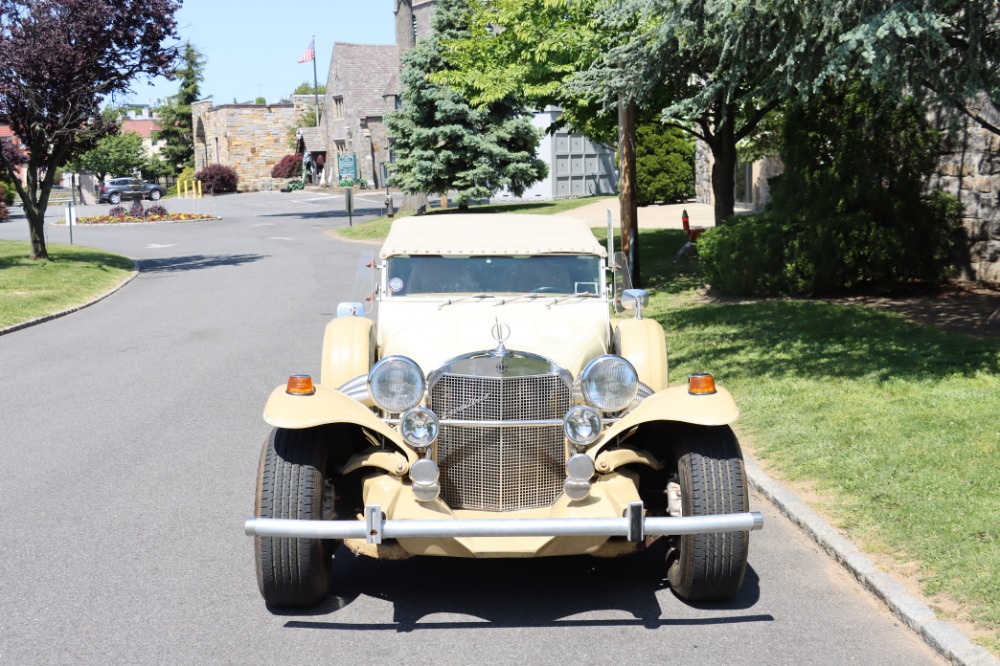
[549, 274]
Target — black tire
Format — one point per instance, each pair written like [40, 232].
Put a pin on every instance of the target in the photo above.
[291, 483]
[155, 195]
[114, 198]
[709, 567]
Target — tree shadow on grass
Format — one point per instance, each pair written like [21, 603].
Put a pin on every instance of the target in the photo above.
[820, 339]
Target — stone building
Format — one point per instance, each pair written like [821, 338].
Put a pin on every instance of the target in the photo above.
[970, 171]
[250, 138]
[361, 87]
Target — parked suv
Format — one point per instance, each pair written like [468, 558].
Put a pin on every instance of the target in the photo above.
[498, 406]
[116, 189]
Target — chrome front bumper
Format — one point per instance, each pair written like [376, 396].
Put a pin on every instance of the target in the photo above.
[374, 528]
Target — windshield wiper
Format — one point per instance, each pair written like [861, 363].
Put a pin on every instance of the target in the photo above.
[451, 301]
[560, 299]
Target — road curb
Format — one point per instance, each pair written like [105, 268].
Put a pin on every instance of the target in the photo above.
[942, 636]
[76, 308]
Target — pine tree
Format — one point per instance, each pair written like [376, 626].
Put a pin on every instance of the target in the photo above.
[442, 142]
[175, 116]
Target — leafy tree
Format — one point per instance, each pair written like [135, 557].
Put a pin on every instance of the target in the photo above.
[947, 50]
[58, 60]
[306, 88]
[153, 168]
[116, 154]
[664, 163]
[442, 141]
[722, 67]
[175, 120]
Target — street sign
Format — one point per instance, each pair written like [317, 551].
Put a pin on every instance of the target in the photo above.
[347, 166]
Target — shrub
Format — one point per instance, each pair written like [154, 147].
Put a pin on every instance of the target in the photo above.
[664, 164]
[290, 166]
[187, 173]
[156, 210]
[7, 191]
[4, 213]
[217, 178]
[117, 211]
[746, 256]
[137, 210]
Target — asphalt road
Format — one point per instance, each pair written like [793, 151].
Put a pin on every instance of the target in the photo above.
[129, 439]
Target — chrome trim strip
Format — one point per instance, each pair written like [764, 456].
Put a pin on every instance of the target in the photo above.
[539, 423]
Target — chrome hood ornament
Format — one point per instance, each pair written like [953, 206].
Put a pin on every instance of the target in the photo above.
[500, 333]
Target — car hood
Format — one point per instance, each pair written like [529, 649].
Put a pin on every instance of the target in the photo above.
[570, 333]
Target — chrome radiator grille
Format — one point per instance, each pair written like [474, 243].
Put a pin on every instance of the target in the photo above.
[500, 469]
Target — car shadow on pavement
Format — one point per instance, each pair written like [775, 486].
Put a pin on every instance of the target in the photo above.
[358, 213]
[519, 593]
[195, 262]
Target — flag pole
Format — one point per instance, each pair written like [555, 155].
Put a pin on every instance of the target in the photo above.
[315, 82]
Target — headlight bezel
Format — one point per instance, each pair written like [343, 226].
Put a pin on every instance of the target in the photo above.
[603, 372]
[379, 376]
[592, 416]
[432, 423]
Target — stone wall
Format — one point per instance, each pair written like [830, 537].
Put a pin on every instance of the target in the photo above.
[971, 172]
[250, 138]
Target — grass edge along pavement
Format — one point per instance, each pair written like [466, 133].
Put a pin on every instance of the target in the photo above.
[881, 419]
[35, 291]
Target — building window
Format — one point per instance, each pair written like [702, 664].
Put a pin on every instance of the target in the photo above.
[338, 107]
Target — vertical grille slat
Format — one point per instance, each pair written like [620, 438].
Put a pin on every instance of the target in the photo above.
[500, 469]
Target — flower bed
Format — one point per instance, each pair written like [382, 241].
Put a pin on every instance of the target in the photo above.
[118, 219]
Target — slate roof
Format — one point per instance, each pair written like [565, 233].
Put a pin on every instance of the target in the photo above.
[314, 139]
[363, 71]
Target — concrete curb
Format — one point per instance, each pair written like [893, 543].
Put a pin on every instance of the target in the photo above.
[942, 636]
[56, 315]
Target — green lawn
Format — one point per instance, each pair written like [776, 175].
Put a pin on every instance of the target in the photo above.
[73, 275]
[893, 423]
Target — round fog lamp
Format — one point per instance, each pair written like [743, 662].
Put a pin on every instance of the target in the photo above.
[582, 425]
[609, 383]
[580, 467]
[396, 384]
[424, 472]
[419, 427]
[576, 490]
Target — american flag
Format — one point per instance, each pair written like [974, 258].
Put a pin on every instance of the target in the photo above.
[310, 53]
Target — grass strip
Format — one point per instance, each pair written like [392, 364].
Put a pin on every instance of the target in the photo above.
[72, 275]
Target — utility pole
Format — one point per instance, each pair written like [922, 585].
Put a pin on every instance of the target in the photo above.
[627, 192]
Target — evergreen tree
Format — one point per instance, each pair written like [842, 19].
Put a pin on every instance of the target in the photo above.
[442, 142]
[175, 116]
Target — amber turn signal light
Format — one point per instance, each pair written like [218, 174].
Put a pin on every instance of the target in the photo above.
[701, 384]
[300, 385]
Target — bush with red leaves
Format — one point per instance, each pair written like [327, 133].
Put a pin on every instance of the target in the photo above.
[217, 178]
[290, 166]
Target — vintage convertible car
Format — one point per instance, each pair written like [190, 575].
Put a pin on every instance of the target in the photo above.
[497, 407]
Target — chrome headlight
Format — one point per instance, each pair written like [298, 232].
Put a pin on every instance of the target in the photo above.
[582, 425]
[609, 383]
[396, 384]
[419, 427]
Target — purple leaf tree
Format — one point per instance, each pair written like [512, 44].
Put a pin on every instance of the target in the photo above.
[59, 59]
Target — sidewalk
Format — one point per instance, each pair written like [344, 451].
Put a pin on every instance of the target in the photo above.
[667, 216]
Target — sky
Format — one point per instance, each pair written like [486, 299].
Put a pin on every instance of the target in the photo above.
[252, 46]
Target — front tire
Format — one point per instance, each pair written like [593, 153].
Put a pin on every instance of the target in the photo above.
[291, 483]
[711, 479]
[114, 199]
[155, 195]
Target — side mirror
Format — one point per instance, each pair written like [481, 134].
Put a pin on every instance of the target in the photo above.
[350, 309]
[634, 299]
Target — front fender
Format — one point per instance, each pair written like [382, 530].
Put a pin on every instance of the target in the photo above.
[676, 404]
[326, 406]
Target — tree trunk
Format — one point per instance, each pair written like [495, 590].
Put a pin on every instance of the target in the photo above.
[36, 224]
[724, 171]
[628, 192]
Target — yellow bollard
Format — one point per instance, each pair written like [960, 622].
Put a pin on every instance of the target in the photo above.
[199, 188]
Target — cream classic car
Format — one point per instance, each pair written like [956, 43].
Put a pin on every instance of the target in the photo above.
[497, 407]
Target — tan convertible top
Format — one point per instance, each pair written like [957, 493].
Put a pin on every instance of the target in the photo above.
[485, 234]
